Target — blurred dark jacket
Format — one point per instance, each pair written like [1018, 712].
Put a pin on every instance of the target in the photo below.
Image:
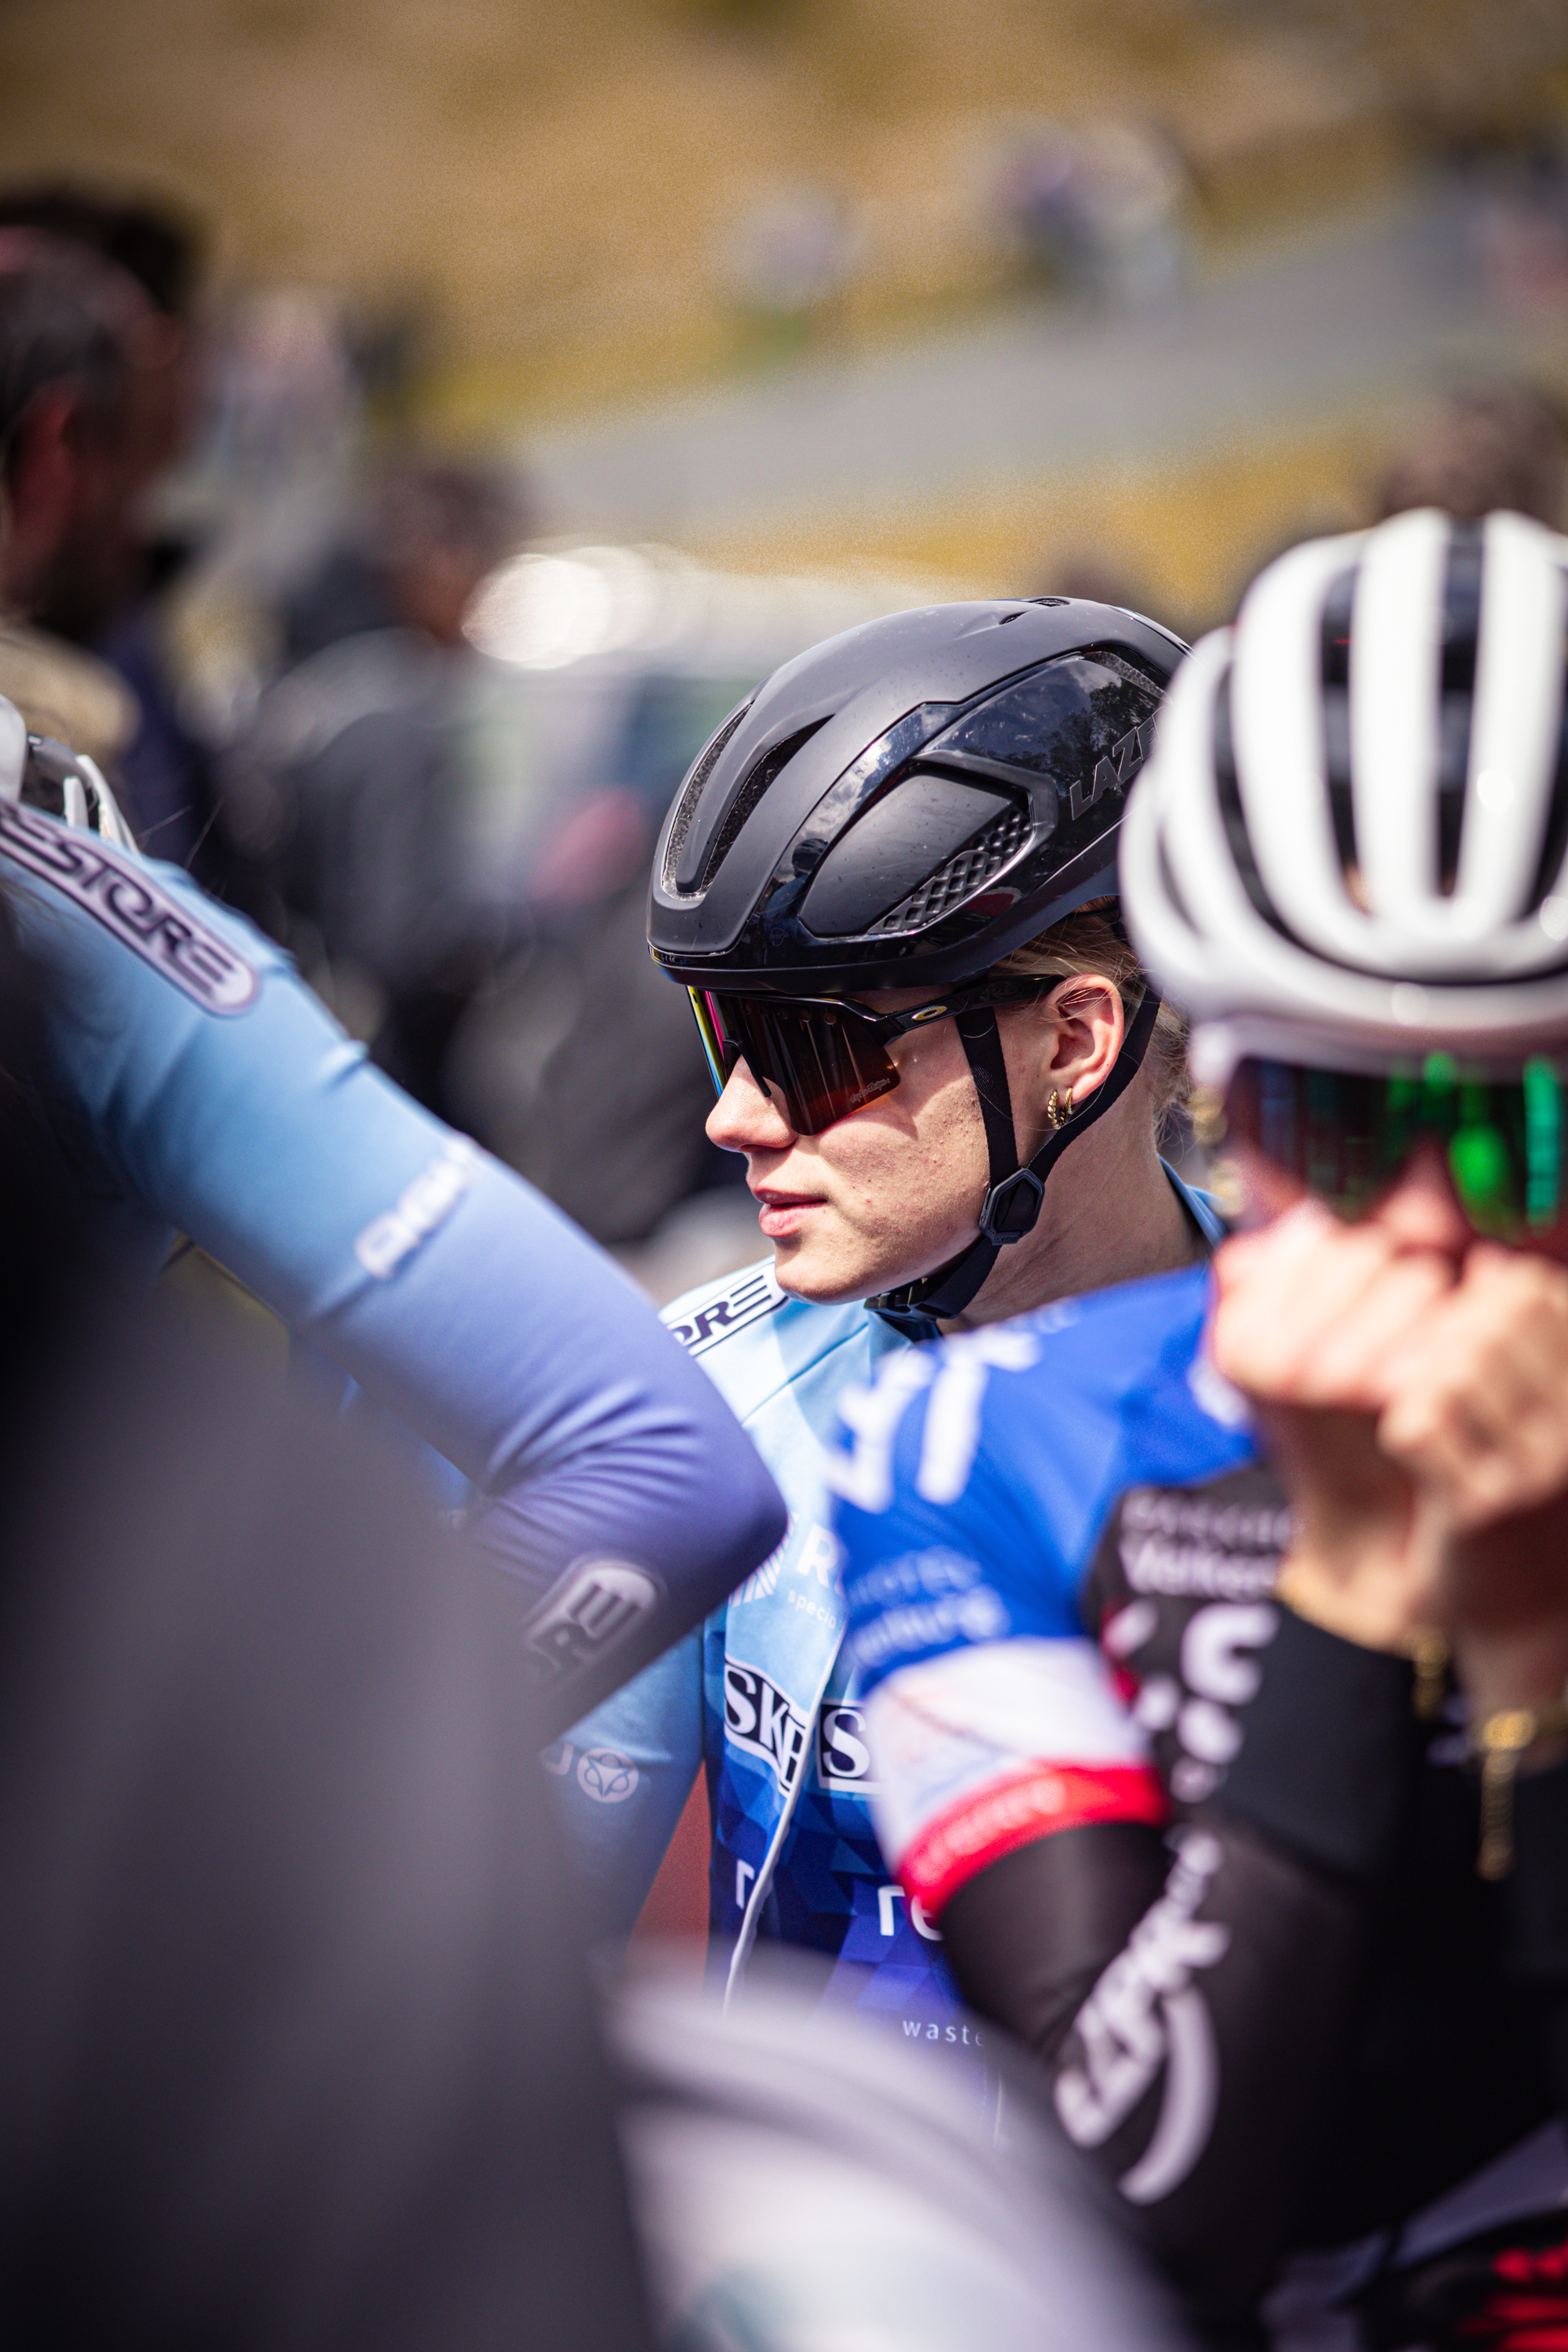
[298, 2049]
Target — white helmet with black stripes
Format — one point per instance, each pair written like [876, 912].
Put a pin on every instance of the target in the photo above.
[1351, 844]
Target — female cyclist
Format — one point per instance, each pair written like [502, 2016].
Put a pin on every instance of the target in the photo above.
[887, 884]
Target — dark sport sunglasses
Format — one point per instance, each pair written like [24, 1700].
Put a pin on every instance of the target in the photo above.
[825, 1057]
[1345, 1137]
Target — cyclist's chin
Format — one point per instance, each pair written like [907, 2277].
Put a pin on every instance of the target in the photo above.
[811, 1266]
[830, 1262]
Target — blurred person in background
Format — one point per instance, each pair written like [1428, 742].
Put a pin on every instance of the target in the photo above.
[1216, 1638]
[1500, 447]
[107, 356]
[77, 392]
[351, 787]
[884, 882]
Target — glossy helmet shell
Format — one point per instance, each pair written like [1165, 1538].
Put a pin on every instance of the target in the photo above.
[908, 803]
[1352, 844]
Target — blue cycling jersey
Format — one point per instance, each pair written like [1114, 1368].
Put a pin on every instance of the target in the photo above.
[194, 1083]
[769, 1697]
[970, 1501]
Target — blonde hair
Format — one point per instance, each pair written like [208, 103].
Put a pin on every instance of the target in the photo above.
[1089, 941]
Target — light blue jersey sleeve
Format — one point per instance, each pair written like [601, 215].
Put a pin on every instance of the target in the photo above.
[198, 1084]
[623, 1776]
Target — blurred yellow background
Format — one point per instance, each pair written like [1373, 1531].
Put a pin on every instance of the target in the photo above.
[559, 212]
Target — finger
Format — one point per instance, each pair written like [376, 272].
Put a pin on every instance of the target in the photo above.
[1485, 1467]
[1344, 1364]
[1482, 1410]
[1279, 1306]
[1506, 1319]
[1314, 1328]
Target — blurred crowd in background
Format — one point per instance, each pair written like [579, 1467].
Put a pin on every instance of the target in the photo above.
[343, 661]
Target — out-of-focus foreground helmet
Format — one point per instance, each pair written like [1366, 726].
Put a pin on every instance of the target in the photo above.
[910, 801]
[804, 2182]
[1351, 846]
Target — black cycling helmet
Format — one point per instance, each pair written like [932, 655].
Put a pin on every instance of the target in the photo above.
[903, 806]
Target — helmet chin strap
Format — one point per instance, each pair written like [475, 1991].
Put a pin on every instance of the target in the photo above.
[1013, 1197]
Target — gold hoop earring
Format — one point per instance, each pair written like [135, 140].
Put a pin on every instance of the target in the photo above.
[1059, 1112]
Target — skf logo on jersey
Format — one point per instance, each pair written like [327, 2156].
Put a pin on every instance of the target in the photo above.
[593, 1609]
[843, 1758]
[757, 1295]
[1114, 773]
[125, 898]
[761, 1722]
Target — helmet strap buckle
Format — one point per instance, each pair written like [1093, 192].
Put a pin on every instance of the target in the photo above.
[1011, 1208]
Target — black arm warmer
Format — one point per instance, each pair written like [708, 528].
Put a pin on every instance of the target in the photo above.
[1195, 2019]
[1536, 1899]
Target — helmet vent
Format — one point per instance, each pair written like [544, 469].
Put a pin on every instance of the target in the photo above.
[1232, 813]
[960, 877]
[707, 761]
[1335, 673]
[765, 772]
[1554, 844]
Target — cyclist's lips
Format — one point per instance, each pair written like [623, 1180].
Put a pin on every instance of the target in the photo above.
[780, 1214]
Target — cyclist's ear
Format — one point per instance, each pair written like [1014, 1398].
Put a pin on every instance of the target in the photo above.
[1084, 1022]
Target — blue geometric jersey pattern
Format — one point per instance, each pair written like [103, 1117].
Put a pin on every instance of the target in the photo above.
[968, 1510]
[763, 1696]
[197, 1085]
[770, 1702]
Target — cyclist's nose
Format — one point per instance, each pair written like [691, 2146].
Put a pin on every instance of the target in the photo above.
[747, 1118]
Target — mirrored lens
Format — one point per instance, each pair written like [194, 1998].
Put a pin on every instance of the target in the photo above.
[1347, 1137]
[820, 1064]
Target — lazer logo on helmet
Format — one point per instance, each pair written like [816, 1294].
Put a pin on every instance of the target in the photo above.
[1115, 772]
[760, 1721]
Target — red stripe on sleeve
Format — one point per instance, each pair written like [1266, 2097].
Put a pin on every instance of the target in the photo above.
[1032, 1803]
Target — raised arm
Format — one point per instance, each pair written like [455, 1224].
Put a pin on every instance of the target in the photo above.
[202, 1082]
[1187, 1991]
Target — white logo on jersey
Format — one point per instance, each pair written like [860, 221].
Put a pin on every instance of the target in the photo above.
[760, 1720]
[956, 1374]
[864, 1476]
[952, 1433]
[419, 1208]
[606, 1776]
[1125, 2042]
[817, 1556]
[747, 1302]
[1214, 1393]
